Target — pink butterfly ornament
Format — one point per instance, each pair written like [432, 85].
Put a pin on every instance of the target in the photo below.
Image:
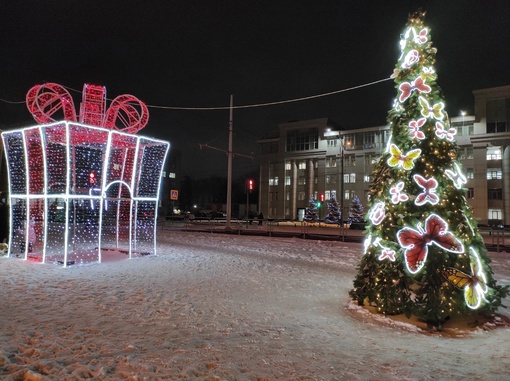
[429, 187]
[396, 193]
[414, 127]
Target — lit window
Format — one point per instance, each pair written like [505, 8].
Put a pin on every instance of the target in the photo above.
[330, 162]
[495, 214]
[494, 174]
[494, 154]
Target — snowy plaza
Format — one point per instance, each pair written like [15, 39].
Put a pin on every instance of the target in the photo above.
[227, 307]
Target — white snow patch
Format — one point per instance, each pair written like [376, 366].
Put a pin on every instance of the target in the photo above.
[224, 307]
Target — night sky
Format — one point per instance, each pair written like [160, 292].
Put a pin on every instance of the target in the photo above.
[197, 53]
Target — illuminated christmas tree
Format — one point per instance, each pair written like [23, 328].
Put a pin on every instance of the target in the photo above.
[334, 214]
[311, 212]
[423, 254]
[355, 211]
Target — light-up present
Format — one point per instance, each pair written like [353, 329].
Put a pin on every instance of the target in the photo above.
[79, 189]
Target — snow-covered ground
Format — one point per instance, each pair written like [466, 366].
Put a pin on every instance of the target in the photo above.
[226, 307]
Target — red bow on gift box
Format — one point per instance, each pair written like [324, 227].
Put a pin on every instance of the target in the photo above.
[126, 112]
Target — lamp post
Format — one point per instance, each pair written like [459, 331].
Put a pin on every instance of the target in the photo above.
[341, 141]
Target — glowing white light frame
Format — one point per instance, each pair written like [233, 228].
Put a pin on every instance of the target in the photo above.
[377, 213]
[456, 176]
[481, 291]
[67, 196]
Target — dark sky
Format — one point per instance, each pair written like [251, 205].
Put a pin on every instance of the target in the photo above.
[193, 53]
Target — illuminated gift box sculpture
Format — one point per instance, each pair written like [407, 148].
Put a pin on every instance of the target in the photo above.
[81, 188]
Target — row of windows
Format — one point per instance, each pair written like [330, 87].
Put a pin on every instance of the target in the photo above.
[371, 159]
[492, 194]
[302, 139]
[350, 178]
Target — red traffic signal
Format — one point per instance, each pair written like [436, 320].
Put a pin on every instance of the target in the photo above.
[92, 178]
[251, 184]
[321, 197]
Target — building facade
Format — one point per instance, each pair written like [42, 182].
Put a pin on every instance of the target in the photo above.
[317, 158]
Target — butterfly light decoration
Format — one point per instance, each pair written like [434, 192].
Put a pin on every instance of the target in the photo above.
[412, 57]
[456, 176]
[442, 133]
[387, 253]
[435, 111]
[474, 284]
[428, 73]
[429, 187]
[414, 127]
[396, 193]
[377, 213]
[397, 159]
[418, 38]
[407, 88]
[416, 242]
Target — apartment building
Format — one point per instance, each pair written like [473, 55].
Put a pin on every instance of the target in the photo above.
[319, 158]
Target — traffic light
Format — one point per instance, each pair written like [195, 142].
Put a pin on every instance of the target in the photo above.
[92, 179]
[250, 185]
[321, 197]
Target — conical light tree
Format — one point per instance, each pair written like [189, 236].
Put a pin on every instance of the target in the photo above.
[423, 254]
[355, 211]
[311, 213]
[334, 213]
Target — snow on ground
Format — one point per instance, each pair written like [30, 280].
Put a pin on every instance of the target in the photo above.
[225, 307]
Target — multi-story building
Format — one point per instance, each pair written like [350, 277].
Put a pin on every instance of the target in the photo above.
[319, 158]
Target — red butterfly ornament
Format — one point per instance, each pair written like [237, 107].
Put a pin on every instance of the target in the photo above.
[416, 242]
[429, 187]
[407, 88]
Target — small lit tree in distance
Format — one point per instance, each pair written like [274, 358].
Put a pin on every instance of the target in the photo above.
[355, 210]
[311, 214]
[423, 254]
[334, 213]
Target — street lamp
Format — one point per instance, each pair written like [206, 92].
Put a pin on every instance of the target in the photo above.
[342, 148]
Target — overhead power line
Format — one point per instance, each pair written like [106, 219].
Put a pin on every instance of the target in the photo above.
[255, 105]
[273, 103]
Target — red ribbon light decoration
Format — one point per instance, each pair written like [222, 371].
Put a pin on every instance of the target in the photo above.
[126, 112]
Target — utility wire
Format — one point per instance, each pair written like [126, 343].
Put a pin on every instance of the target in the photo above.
[294, 100]
[273, 103]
